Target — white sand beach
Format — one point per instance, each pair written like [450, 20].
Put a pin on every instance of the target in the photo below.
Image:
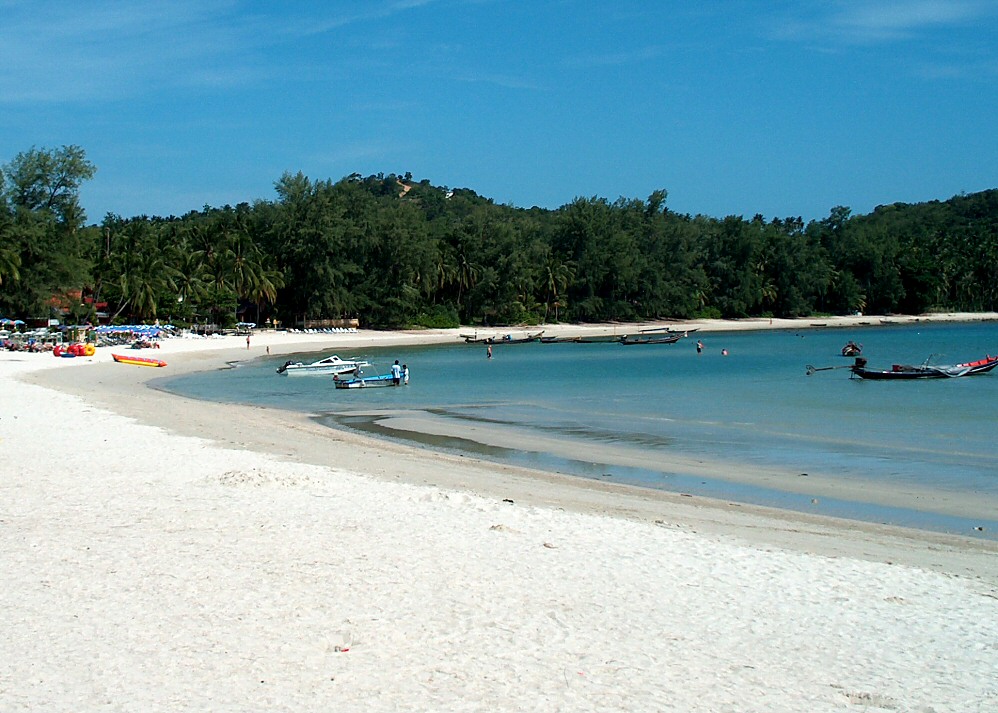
[164, 554]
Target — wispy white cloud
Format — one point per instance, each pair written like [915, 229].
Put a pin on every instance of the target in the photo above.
[505, 81]
[878, 21]
[615, 59]
[893, 20]
[348, 153]
[958, 70]
[57, 52]
[328, 20]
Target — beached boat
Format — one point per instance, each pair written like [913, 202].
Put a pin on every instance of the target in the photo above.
[924, 371]
[137, 360]
[601, 339]
[363, 382]
[508, 339]
[669, 330]
[475, 339]
[330, 365]
[559, 340]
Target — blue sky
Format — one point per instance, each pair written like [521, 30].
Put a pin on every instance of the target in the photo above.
[733, 107]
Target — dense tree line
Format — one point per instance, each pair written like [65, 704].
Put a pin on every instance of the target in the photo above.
[395, 252]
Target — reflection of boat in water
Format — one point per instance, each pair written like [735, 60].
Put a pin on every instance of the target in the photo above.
[137, 360]
[924, 371]
[330, 365]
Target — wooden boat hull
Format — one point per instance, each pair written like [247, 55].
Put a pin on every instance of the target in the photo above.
[137, 360]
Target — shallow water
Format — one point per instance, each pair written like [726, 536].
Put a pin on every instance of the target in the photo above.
[755, 406]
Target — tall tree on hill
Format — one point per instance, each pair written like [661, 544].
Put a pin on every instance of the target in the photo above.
[10, 260]
[40, 196]
[311, 236]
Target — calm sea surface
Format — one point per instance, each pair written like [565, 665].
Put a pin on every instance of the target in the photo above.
[755, 406]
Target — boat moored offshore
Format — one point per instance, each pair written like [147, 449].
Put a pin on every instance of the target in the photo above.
[331, 364]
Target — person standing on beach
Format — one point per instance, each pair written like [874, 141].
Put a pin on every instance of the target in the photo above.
[396, 373]
[247, 341]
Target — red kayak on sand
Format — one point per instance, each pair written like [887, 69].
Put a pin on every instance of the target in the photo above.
[137, 361]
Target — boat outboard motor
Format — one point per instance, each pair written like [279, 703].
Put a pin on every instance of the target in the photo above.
[284, 367]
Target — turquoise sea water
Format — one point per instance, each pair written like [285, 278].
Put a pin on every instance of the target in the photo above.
[754, 406]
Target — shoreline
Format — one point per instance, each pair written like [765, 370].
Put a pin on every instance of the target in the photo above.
[299, 437]
[166, 553]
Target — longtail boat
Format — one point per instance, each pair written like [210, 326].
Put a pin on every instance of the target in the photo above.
[629, 339]
[903, 372]
[508, 339]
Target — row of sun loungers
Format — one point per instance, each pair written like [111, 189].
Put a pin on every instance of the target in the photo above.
[325, 330]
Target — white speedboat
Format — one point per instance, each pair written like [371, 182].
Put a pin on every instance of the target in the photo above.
[330, 365]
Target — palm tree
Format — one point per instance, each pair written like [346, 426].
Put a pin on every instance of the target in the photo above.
[467, 275]
[768, 292]
[247, 271]
[190, 279]
[557, 276]
[265, 289]
[145, 280]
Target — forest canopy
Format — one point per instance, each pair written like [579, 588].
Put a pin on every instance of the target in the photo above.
[395, 252]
